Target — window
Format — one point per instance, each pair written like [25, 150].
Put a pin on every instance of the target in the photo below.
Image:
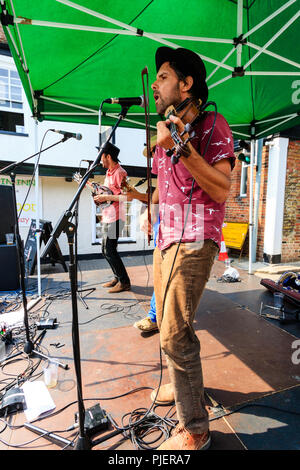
[10, 90]
[244, 178]
[128, 233]
[11, 101]
[11, 122]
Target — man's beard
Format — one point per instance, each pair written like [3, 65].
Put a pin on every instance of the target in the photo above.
[173, 99]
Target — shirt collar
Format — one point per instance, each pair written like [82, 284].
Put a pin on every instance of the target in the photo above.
[112, 170]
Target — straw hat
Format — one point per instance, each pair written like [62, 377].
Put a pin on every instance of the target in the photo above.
[153, 141]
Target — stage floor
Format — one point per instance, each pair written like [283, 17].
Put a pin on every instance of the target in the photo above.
[251, 381]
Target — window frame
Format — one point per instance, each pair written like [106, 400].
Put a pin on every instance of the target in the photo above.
[131, 212]
[11, 68]
[9, 99]
[244, 179]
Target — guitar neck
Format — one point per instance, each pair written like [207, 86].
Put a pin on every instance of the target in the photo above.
[91, 187]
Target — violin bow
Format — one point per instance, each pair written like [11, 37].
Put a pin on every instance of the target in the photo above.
[147, 126]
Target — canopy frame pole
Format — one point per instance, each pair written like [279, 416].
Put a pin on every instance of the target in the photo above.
[114, 116]
[269, 18]
[131, 28]
[21, 59]
[273, 38]
[220, 81]
[53, 113]
[287, 116]
[276, 118]
[240, 133]
[282, 122]
[283, 74]
[37, 200]
[272, 54]
[218, 66]
[239, 32]
[31, 22]
[96, 29]
[239, 125]
[252, 152]
[92, 111]
[72, 105]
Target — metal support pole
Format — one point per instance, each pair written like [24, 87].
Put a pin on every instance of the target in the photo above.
[252, 151]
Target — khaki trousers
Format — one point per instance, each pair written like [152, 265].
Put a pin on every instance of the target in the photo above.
[175, 320]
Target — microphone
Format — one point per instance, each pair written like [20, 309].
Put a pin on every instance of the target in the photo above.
[138, 101]
[68, 135]
[88, 161]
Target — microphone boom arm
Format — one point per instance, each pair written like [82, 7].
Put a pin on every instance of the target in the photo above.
[11, 166]
[63, 220]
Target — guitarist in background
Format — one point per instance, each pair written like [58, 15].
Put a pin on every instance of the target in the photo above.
[113, 217]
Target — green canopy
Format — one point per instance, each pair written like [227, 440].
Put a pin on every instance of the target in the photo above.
[73, 55]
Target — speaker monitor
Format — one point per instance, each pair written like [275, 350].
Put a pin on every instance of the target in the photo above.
[9, 269]
[7, 222]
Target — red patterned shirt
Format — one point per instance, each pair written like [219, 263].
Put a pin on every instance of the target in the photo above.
[197, 213]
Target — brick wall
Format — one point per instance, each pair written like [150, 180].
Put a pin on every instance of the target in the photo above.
[291, 218]
[237, 209]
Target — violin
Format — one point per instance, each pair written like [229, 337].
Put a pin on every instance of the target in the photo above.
[190, 112]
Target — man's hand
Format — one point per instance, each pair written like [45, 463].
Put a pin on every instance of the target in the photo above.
[132, 193]
[164, 138]
[145, 226]
[100, 198]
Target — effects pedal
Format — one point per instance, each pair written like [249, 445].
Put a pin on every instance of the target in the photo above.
[12, 401]
[95, 420]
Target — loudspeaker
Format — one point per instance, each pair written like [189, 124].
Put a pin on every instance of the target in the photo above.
[9, 268]
[7, 223]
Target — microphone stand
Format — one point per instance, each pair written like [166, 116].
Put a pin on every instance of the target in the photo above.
[64, 224]
[29, 344]
[15, 164]
[79, 291]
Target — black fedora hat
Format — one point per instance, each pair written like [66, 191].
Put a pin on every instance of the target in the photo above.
[188, 63]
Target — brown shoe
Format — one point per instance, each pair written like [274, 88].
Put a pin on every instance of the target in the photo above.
[165, 395]
[146, 325]
[110, 283]
[119, 287]
[182, 439]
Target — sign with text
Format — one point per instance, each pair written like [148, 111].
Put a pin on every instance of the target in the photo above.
[29, 209]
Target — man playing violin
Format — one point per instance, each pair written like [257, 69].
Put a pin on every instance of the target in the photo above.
[191, 196]
[113, 218]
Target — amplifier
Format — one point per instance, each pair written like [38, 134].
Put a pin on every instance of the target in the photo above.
[7, 222]
[9, 268]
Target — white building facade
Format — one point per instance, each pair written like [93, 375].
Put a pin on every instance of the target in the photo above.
[22, 136]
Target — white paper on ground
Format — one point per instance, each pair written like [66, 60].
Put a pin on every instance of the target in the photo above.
[38, 399]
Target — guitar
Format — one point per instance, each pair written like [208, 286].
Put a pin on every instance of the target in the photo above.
[97, 188]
